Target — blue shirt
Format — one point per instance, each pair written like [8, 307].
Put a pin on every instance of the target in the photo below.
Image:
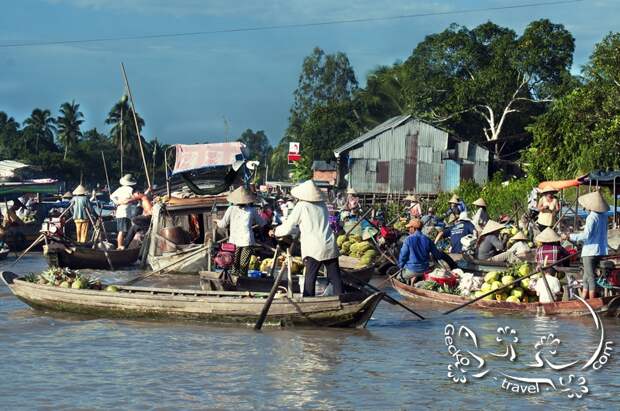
[594, 236]
[414, 254]
[79, 206]
[456, 232]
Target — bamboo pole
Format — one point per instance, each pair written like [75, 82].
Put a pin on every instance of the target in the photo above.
[135, 120]
[107, 177]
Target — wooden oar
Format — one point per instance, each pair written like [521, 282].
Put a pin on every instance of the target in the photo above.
[358, 221]
[272, 293]
[386, 297]
[34, 244]
[508, 285]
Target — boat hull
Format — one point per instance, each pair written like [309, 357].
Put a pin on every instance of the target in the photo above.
[560, 308]
[349, 310]
[59, 255]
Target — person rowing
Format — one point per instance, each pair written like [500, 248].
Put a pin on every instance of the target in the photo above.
[415, 255]
[517, 251]
[318, 241]
[489, 243]
[594, 238]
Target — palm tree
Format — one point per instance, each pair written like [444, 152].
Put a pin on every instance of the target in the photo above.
[42, 126]
[121, 119]
[69, 123]
[8, 125]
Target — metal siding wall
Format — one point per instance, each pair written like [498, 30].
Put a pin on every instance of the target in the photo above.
[451, 175]
[397, 174]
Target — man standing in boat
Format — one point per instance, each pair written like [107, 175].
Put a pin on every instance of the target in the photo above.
[415, 254]
[124, 200]
[318, 242]
[594, 238]
[240, 218]
[80, 209]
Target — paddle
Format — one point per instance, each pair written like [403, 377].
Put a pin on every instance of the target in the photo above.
[363, 216]
[508, 285]
[391, 300]
[274, 288]
[34, 244]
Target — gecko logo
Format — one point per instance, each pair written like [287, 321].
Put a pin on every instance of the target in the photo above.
[468, 364]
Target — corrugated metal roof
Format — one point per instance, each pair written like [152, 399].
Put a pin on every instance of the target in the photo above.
[391, 123]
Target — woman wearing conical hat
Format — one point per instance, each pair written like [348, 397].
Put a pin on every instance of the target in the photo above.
[415, 209]
[318, 242]
[549, 250]
[80, 209]
[489, 243]
[517, 252]
[239, 218]
[548, 208]
[482, 216]
[594, 238]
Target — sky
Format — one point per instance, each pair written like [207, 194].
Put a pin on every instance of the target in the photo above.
[209, 88]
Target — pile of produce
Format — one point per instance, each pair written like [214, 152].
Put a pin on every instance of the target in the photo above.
[518, 293]
[400, 225]
[353, 246]
[67, 278]
[264, 265]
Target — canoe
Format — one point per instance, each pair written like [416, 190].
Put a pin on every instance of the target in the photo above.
[560, 308]
[351, 310]
[76, 257]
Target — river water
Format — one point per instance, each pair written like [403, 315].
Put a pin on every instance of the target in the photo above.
[397, 362]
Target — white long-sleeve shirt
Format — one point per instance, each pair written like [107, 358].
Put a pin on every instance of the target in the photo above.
[316, 236]
[241, 221]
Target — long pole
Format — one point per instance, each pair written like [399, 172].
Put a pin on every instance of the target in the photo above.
[135, 121]
[105, 168]
[122, 126]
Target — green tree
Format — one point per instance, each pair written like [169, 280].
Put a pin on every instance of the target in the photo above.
[69, 123]
[327, 82]
[581, 131]
[41, 126]
[485, 84]
[257, 144]
[121, 119]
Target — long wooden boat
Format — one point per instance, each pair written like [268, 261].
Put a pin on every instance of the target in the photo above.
[560, 308]
[348, 310]
[76, 257]
[475, 265]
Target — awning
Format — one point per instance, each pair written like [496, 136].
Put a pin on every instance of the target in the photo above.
[559, 185]
[191, 157]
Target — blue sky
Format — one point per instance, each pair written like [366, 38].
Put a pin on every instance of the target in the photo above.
[184, 87]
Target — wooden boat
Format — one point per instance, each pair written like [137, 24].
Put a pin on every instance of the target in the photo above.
[562, 308]
[62, 255]
[349, 267]
[348, 310]
[475, 265]
[4, 253]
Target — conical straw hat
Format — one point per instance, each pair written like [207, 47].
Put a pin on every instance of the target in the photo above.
[594, 201]
[464, 216]
[80, 191]
[480, 202]
[518, 237]
[548, 190]
[67, 195]
[548, 236]
[351, 191]
[491, 227]
[454, 200]
[411, 197]
[241, 195]
[128, 180]
[308, 191]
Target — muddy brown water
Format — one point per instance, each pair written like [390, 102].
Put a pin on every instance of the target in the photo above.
[52, 361]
